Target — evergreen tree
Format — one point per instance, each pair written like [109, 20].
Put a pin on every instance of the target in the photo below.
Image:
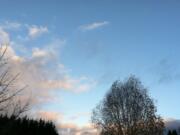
[169, 132]
[24, 126]
[174, 132]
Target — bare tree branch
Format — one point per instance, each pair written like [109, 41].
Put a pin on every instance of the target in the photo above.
[10, 103]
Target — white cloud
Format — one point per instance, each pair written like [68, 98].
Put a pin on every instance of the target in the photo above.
[93, 26]
[10, 53]
[4, 37]
[39, 53]
[35, 31]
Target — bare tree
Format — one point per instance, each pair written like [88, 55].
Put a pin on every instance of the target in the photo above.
[10, 103]
[127, 110]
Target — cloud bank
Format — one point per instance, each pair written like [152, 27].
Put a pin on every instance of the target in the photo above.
[44, 75]
[172, 123]
[66, 128]
[42, 71]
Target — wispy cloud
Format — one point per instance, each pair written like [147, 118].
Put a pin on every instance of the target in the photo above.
[167, 71]
[49, 115]
[35, 31]
[67, 83]
[10, 25]
[80, 115]
[93, 26]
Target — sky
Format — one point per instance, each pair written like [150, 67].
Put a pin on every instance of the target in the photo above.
[70, 52]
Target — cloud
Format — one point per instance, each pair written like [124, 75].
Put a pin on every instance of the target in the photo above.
[4, 37]
[7, 25]
[36, 31]
[68, 83]
[73, 129]
[49, 115]
[33, 31]
[66, 128]
[43, 73]
[36, 52]
[93, 26]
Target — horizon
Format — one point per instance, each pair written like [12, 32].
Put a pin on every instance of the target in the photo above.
[70, 52]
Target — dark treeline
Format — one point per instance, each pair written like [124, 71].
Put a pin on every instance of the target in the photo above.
[173, 132]
[25, 126]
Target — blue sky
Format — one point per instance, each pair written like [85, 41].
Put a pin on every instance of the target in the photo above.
[90, 44]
